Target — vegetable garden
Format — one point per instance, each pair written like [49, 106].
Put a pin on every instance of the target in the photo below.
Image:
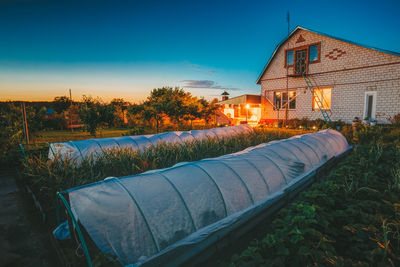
[46, 178]
[349, 218]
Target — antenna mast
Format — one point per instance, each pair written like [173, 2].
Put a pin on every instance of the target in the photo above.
[287, 70]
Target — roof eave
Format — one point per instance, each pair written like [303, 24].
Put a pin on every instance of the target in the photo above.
[276, 50]
[323, 34]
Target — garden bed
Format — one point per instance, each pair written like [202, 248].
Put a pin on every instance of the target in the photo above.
[350, 218]
[46, 178]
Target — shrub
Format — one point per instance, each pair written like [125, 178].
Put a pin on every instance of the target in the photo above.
[305, 123]
[365, 134]
[294, 123]
[319, 123]
[393, 136]
[138, 130]
[395, 120]
[347, 132]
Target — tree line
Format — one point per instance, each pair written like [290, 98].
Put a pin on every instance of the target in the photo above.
[173, 106]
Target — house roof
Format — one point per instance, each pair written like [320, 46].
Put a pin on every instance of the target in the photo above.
[323, 34]
[242, 99]
[225, 93]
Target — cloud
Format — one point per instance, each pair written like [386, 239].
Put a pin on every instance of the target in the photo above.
[205, 84]
[202, 69]
[198, 83]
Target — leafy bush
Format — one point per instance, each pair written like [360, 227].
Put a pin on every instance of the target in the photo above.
[294, 123]
[347, 132]
[319, 123]
[392, 136]
[395, 120]
[11, 133]
[139, 130]
[306, 123]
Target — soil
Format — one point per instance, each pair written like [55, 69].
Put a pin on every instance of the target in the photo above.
[24, 239]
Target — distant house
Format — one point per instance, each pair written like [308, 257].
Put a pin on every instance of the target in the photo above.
[241, 109]
[346, 79]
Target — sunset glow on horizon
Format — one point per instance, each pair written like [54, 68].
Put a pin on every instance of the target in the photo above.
[132, 82]
[124, 49]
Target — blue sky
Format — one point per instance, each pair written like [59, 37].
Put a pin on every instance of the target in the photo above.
[126, 48]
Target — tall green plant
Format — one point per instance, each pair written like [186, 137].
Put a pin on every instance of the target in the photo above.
[94, 113]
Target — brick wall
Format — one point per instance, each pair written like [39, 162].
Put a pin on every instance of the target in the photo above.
[348, 69]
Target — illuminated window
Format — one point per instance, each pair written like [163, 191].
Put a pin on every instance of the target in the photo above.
[277, 100]
[289, 58]
[282, 98]
[313, 53]
[321, 98]
[292, 99]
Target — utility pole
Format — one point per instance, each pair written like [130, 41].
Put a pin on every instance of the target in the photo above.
[278, 122]
[25, 123]
[70, 111]
[247, 112]
[287, 70]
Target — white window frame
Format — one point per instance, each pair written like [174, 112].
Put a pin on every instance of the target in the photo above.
[373, 111]
[288, 100]
[322, 94]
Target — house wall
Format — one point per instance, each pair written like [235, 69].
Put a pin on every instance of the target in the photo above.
[348, 69]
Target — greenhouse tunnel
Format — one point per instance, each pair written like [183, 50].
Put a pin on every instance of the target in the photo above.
[138, 218]
[78, 150]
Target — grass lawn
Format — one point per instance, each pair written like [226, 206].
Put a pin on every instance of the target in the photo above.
[68, 135]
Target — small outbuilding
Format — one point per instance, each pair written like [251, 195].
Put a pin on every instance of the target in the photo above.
[244, 109]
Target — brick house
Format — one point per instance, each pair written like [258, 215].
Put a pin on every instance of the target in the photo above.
[348, 80]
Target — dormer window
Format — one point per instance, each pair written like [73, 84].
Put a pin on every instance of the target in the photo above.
[289, 58]
[300, 57]
[313, 53]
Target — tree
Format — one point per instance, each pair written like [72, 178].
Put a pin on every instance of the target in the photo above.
[192, 110]
[61, 103]
[94, 113]
[120, 105]
[118, 102]
[174, 103]
[158, 105]
[208, 109]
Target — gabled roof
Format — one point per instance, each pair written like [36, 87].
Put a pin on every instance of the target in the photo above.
[323, 34]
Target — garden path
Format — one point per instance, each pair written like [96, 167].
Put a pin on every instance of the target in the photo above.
[23, 239]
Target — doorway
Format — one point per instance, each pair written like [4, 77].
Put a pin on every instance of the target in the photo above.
[370, 105]
[300, 65]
